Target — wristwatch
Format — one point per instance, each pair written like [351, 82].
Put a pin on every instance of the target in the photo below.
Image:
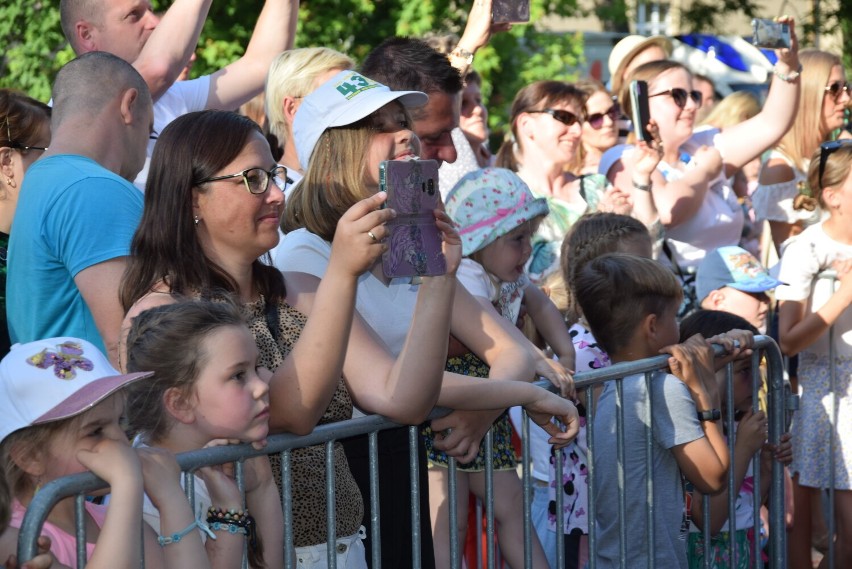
[709, 415]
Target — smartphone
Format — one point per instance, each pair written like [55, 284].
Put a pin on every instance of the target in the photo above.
[414, 243]
[510, 11]
[770, 34]
[639, 106]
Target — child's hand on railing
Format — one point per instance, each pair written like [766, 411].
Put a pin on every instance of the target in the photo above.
[556, 374]
[738, 345]
[752, 431]
[692, 363]
[550, 405]
[44, 560]
[160, 475]
[114, 461]
[782, 452]
[220, 479]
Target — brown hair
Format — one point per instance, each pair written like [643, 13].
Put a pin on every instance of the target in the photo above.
[535, 97]
[166, 246]
[594, 235]
[589, 87]
[646, 72]
[617, 291]
[21, 118]
[169, 341]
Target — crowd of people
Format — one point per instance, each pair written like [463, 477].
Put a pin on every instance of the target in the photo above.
[180, 275]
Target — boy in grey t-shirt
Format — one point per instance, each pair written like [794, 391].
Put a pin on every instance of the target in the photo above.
[631, 305]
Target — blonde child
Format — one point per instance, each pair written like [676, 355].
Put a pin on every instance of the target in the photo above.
[208, 389]
[497, 215]
[808, 308]
[593, 235]
[751, 431]
[60, 408]
[631, 305]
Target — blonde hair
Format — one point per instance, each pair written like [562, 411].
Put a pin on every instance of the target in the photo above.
[807, 130]
[837, 167]
[293, 74]
[737, 107]
[333, 182]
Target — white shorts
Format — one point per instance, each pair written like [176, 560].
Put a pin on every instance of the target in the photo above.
[350, 553]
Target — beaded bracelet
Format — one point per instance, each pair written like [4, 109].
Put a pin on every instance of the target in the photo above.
[234, 522]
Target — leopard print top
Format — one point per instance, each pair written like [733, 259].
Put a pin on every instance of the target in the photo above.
[308, 464]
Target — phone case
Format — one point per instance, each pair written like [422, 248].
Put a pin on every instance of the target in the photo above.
[770, 34]
[639, 106]
[510, 11]
[414, 243]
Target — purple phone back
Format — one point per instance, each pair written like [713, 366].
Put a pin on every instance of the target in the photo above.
[414, 244]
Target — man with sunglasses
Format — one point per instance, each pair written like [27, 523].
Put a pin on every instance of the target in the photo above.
[160, 49]
[77, 209]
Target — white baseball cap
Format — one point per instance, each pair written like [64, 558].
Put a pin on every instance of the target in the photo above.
[54, 379]
[344, 99]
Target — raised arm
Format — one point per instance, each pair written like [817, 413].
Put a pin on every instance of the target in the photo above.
[743, 142]
[171, 44]
[274, 32]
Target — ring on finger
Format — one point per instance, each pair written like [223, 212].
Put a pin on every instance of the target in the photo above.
[736, 344]
[372, 236]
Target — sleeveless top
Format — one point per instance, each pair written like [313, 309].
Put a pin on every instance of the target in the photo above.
[275, 333]
[774, 202]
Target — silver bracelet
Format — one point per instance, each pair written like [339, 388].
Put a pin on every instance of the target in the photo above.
[644, 187]
[790, 77]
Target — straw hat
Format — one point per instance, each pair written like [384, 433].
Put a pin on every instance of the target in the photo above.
[626, 49]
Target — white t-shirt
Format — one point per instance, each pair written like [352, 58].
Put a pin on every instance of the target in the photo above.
[387, 309]
[804, 257]
[181, 98]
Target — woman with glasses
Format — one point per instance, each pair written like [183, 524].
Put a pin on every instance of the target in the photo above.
[783, 196]
[547, 125]
[810, 308]
[686, 186]
[600, 128]
[24, 136]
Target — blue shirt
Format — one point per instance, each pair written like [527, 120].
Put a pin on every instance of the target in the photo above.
[72, 214]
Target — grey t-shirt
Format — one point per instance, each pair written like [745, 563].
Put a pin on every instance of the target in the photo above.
[675, 422]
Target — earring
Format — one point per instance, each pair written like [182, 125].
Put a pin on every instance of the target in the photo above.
[10, 182]
[195, 218]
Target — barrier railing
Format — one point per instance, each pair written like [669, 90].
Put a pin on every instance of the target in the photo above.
[80, 484]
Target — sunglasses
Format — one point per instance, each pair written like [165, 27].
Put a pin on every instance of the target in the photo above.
[256, 179]
[17, 145]
[826, 149]
[680, 96]
[836, 88]
[565, 117]
[596, 120]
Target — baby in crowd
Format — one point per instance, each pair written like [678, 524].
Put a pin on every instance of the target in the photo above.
[61, 404]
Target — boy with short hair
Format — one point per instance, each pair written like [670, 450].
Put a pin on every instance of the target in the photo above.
[631, 305]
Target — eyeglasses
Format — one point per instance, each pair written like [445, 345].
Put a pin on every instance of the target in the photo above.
[256, 179]
[17, 145]
[565, 117]
[826, 149]
[680, 95]
[838, 87]
[596, 120]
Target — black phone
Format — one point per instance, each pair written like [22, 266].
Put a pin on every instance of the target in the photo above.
[639, 105]
[510, 11]
[770, 34]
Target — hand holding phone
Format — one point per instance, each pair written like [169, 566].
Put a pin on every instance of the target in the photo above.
[510, 11]
[641, 115]
[414, 240]
[770, 34]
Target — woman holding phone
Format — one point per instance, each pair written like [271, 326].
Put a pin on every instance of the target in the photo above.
[688, 189]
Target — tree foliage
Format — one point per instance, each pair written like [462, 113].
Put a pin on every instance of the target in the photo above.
[34, 48]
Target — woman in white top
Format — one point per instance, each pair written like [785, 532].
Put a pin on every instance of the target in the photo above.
[688, 188]
[783, 196]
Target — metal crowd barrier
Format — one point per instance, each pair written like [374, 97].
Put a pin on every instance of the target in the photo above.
[79, 485]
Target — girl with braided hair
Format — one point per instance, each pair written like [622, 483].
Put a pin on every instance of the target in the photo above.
[593, 235]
